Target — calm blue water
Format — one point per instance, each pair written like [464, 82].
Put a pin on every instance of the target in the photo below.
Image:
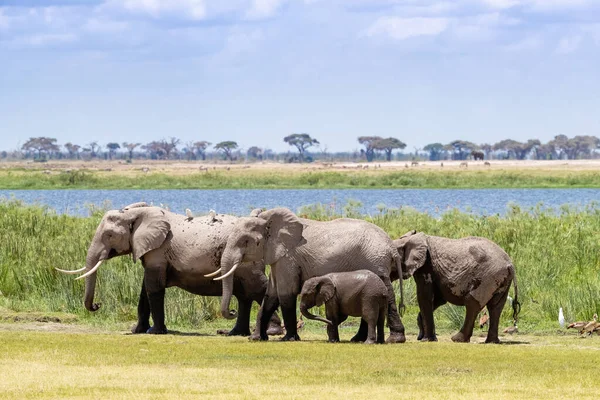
[240, 202]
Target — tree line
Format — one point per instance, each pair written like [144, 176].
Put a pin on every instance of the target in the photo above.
[307, 149]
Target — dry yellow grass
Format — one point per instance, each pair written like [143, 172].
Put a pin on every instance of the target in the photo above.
[64, 364]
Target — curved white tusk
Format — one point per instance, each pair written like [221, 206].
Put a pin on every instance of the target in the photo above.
[217, 272]
[91, 271]
[76, 271]
[227, 274]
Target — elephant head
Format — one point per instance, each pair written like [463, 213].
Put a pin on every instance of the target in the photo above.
[412, 247]
[136, 229]
[266, 236]
[316, 292]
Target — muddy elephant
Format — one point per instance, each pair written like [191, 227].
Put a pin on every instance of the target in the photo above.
[175, 250]
[473, 272]
[356, 294]
[298, 249]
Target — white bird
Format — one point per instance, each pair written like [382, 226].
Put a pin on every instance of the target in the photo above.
[189, 214]
[212, 215]
[561, 318]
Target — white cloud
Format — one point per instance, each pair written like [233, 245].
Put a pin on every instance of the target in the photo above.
[4, 21]
[101, 25]
[192, 9]
[526, 44]
[404, 28]
[263, 8]
[40, 40]
[569, 44]
[502, 4]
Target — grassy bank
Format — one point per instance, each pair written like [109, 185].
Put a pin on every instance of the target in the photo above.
[298, 178]
[64, 365]
[557, 257]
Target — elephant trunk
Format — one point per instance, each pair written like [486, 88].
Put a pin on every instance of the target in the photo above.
[90, 284]
[307, 314]
[229, 260]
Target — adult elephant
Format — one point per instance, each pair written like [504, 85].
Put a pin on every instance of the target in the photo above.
[473, 272]
[175, 250]
[477, 155]
[298, 249]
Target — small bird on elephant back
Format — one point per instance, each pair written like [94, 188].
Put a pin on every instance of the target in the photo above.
[473, 272]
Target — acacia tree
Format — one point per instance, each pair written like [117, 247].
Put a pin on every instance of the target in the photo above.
[302, 141]
[388, 145]
[130, 148]
[154, 149]
[461, 148]
[255, 152]
[200, 148]
[169, 146]
[94, 148]
[73, 150]
[227, 148]
[112, 148]
[40, 144]
[370, 143]
[435, 151]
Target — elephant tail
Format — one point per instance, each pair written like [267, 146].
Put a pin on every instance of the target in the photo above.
[401, 306]
[515, 303]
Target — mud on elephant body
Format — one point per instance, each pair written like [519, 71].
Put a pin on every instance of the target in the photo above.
[473, 272]
[356, 294]
[299, 249]
[175, 251]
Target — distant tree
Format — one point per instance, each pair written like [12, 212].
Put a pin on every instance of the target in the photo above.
[461, 148]
[112, 148]
[582, 146]
[487, 149]
[559, 146]
[435, 151]
[302, 141]
[388, 145]
[169, 146]
[73, 150]
[227, 148]
[371, 145]
[130, 148]
[154, 149]
[40, 144]
[200, 148]
[94, 148]
[519, 150]
[255, 152]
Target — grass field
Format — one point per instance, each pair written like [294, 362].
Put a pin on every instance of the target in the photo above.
[74, 363]
[111, 175]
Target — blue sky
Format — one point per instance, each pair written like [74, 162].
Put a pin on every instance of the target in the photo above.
[255, 71]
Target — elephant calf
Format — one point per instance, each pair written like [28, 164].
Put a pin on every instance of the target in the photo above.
[358, 294]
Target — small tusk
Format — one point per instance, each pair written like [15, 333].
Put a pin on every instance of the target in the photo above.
[76, 271]
[213, 273]
[227, 274]
[91, 271]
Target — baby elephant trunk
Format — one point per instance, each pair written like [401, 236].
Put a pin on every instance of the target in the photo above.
[307, 314]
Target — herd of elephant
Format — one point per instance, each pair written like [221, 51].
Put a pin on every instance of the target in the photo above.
[347, 264]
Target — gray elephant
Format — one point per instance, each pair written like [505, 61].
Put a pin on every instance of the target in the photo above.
[299, 249]
[473, 272]
[356, 294]
[175, 250]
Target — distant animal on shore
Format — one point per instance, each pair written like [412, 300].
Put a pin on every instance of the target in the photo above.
[487, 164]
[414, 164]
[477, 155]
[463, 164]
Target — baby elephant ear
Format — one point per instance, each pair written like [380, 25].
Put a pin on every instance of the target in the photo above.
[325, 291]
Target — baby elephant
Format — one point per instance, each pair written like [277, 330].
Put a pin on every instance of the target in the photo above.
[357, 293]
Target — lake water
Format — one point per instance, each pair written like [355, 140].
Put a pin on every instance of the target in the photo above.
[240, 202]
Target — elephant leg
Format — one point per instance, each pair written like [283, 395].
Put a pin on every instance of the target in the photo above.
[362, 333]
[371, 331]
[269, 305]
[425, 300]
[438, 301]
[288, 309]
[275, 328]
[154, 281]
[394, 322]
[495, 306]
[381, 324]
[143, 312]
[242, 324]
[333, 333]
[472, 309]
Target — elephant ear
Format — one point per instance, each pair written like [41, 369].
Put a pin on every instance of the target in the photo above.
[149, 231]
[414, 253]
[135, 205]
[283, 232]
[325, 291]
[256, 212]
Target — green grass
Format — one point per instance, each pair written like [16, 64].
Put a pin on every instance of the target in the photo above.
[44, 365]
[557, 258]
[282, 179]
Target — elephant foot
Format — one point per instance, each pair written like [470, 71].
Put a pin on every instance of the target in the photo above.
[358, 338]
[460, 338]
[420, 336]
[140, 328]
[256, 337]
[333, 340]
[396, 337]
[157, 331]
[492, 340]
[290, 338]
[370, 341]
[429, 339]
[238, 332]
[275, 330]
